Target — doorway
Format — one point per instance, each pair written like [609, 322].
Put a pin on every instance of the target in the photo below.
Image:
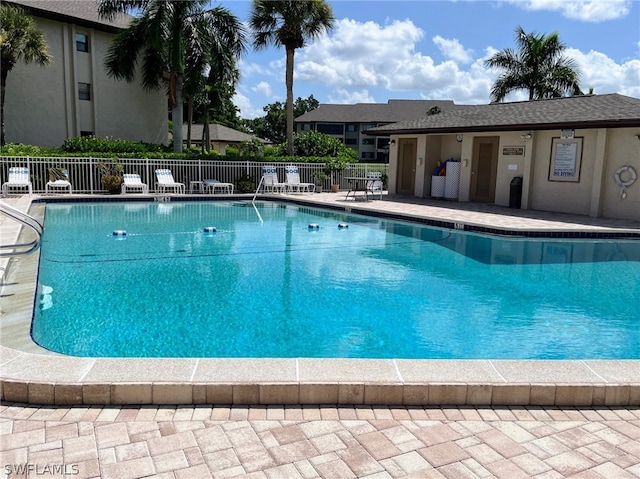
[484, 167]
[406, 181]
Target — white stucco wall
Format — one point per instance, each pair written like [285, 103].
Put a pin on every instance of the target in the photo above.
[623, 148]
[42, 106]
[595, 194]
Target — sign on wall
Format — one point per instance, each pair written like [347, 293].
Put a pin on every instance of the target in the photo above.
[566, 158]
[513, 151]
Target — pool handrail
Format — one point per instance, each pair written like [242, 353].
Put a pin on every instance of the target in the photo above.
[26, 220]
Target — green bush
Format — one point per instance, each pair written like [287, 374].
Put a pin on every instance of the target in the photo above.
[245, 184]
[313, 143]
[20, 149]
[94, 144]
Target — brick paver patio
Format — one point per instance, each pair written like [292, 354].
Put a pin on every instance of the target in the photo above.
[291, 442]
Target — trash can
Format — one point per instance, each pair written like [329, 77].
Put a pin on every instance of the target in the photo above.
[515, 192]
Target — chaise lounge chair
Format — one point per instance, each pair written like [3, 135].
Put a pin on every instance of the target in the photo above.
[293, 181]
[211, 186]
[18, 178]
[58, 178]
[375, 183]
[270, 180]
[165, 180]
[132, 181]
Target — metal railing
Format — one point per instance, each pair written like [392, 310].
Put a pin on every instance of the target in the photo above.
[85, 177]
[23, 218]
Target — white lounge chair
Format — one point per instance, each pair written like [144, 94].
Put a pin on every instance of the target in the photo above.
[375, 183]
[270, 180]
[132, 181]
[212, 185]
[165, 180]
[58, 178]
[18, 178]
[293, 181]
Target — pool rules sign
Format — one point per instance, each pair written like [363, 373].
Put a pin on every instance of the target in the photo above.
[566, 155]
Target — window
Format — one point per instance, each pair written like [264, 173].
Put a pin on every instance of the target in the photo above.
[82, 42]
[351, 127]
[330, 128]
[350, 141]
[383, 143]
[84, 91]
[368, 141]
[86, 133]
[368, 155]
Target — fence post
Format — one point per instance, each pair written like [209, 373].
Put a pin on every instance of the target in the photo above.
[91, 175]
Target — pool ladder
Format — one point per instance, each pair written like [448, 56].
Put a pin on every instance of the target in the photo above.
[26, 220]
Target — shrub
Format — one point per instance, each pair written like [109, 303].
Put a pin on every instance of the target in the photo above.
[20, 149]
[313, 143]
[246, 184]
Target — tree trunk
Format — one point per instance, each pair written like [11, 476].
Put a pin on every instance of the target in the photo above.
[3, 74]
[289, 82]
[189, 120]
[176, 115]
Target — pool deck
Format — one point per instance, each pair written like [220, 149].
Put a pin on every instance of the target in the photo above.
[71, 425]
[31, 374]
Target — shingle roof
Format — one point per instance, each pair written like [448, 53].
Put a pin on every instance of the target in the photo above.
[392, 111]
[217, 133]
[81, 12]
[590, 111]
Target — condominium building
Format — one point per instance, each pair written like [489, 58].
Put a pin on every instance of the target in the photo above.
[348, 123]
[74, 96]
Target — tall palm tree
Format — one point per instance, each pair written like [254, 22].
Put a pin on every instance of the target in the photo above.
[289, 23]
[169, 35]
[538, 66]
[19, 39]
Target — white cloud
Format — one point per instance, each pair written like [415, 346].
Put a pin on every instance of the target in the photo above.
[604, 75]
[264, 88]
[347, 97]
[361, 56]
[453, 50]
[247, 110]
[584, 10]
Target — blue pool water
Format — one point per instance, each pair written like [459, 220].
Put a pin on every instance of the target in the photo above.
[265, 285]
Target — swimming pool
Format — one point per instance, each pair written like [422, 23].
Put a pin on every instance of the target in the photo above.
[266, 285]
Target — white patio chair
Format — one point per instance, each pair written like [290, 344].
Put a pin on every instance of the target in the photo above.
[375, 183]
[165, 180]
[132, 181]
[58, 178]
[18, 178]
[270, 180]
[212, 185]
[293, 181]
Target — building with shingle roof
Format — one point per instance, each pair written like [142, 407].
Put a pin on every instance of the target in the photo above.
[220, 136]
[578, 155]
[591, 111]
[74, 96]
[348, 122]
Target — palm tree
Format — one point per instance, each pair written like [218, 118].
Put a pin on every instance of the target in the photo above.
[171, 36]
[538, 66]
[289, 23]
[19, 39]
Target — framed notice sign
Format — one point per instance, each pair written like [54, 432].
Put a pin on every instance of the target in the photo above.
[566, 157]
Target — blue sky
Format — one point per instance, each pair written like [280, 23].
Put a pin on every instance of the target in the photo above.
[381, 50]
